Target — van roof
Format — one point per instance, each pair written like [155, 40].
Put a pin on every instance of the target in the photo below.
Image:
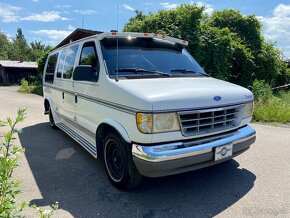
[79, 34]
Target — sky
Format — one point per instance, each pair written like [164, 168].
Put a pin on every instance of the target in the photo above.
[50, 21]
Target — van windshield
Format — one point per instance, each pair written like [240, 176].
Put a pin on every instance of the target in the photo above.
[148, 57]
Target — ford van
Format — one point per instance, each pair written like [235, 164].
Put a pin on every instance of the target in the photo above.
[144, 105]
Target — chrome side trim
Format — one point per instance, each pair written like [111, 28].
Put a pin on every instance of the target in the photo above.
[171, 151]
[79, 139]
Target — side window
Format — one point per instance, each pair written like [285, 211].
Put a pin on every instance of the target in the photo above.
[68, 65]
[50, 68]
[89, 56]
[60, 63]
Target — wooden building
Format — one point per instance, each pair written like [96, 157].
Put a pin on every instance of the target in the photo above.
[13, 71]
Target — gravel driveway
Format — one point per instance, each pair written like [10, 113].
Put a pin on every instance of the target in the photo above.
[55, 168]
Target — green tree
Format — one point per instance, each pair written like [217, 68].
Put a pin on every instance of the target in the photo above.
[264, 60]
[228, 44]
[243, 65]
[183, 22]
[270, 67]
[247, 28]
[4, 46]
[20, 47]
[20, 50]
[41, 63]
[214, 51]
[223, 55]
[37, 50]
[38, 45]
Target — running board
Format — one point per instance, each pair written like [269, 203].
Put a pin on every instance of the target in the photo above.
[79, 139]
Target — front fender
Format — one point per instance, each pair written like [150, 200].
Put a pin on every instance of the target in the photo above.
[116, 125]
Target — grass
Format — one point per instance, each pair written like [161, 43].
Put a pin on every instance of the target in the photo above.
[275, 109]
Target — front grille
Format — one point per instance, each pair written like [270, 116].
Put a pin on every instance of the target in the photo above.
[210, 120]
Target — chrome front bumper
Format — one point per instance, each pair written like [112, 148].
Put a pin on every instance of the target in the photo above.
[178, 157]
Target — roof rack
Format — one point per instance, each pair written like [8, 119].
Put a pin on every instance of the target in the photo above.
[83, 33]
[143, 35]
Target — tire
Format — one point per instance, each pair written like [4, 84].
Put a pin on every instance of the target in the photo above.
[119, 164]
[51, 120]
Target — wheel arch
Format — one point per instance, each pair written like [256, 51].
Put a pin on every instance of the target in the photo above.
[46, 106]
[48, 103]
[109, 125]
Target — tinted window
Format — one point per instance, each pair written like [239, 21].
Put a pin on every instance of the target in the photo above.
[89, 57]
[68, 64]
[60, 63]
[50, 69]
[142, 56]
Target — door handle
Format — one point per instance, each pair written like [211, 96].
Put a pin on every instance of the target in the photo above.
[76, 99]
[62, 95]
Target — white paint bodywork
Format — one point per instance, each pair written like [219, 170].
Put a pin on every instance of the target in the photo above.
[116, 102]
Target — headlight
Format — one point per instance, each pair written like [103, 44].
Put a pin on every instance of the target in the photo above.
[248, 112]
[165, 122]
[152, 123]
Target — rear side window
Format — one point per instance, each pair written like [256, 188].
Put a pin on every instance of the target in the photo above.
[89, 56]
[50, 68]
[60, 64]
[68, 65]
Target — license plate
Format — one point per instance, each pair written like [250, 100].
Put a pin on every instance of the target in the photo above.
[223, 152]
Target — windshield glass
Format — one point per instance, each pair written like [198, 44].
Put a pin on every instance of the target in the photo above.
[148, 57]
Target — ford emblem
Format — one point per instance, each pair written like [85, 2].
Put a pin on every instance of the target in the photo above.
[217, 98]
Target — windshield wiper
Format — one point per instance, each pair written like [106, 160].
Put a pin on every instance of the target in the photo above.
[136, 70]
[188, 71]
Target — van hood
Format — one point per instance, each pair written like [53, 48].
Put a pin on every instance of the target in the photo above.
[186, 93]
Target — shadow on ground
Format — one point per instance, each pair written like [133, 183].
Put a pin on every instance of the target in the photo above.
[66, 173]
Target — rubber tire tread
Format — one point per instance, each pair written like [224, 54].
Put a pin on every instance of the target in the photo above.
[132, 177]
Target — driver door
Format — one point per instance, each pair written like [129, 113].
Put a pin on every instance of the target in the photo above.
[85, 91]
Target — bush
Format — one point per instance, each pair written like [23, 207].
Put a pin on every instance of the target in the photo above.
[9, 186]
[261, 90]
[9, 155]
[37, 90]
[33, 79]
[24, 87]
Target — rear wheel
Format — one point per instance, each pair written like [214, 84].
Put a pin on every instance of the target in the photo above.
[119, 164]
[51, 120]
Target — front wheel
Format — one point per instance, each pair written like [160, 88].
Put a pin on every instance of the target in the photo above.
[120, 167]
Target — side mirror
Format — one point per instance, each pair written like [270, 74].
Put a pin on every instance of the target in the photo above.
[85, 73]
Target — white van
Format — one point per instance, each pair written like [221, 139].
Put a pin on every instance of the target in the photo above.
[143, 103]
